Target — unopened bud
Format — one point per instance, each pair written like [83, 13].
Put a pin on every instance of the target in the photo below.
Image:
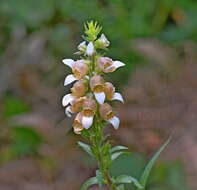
[102, 42]
[82, 46]
[79, 88]
[106, 112]
[80, 69]
[90, 49]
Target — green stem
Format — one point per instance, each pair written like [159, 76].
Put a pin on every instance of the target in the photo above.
[103, 157]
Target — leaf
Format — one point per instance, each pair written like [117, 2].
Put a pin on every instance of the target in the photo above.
[151, 163]
[99, 177]
[128, 179]
[121, 187]
[116, 155]
[91, 181]
[117, 148]
[85, 147]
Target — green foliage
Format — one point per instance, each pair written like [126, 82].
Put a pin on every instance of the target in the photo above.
[149, 166]
[89, 182]
[85, 147]
[13, 106]
[25, 140]
[118, 148]
[128, 179]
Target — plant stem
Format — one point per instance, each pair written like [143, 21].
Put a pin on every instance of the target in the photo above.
[101, 151]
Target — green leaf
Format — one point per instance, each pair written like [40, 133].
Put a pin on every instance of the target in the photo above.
[117, 148]
[85, 147]
[99, 177]
[121, 187]
[25, 140]
[115, 155]
[149, 166]
[128, 179]
[91, 181]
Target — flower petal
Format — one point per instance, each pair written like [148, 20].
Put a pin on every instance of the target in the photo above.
[82, 46]
[68, 98]
[87, 122]
[68, 111]
[90, 49]
[100, 97]
[69, 62]
[115, 121]
[118, 64]
[118, 96]
[69, 79]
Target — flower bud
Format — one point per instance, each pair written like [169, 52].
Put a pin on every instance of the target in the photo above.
[79, 88]
[97, 83]
[106, 112]
[104, 63]
[102, 42]
[89, 107]
[77, 123]
[80, 69]
[109, 90]
[90, 49]
[82, 46]
[77, 104]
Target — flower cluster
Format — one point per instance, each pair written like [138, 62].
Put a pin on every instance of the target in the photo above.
[91, 94]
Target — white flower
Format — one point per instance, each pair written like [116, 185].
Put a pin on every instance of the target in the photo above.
[69, 79]
[118, 96]
[107, 65]
[115, 121]
[68, 111]
[90, 49]
[69, 62]
[100, 97]
[87, 121]
[82, 46]
[67, 99]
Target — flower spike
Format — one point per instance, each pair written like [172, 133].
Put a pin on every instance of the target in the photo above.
[90, 91]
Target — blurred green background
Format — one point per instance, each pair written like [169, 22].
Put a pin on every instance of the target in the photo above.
[157, 39]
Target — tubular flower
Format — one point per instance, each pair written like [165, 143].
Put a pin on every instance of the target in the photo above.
[97, 86]
[79, 69]
[77, 123]
[89, 110]
[90, 91]
[107, 65]
[110, 93]
[107, 114]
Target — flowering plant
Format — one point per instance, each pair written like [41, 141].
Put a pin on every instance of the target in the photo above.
[90, 99]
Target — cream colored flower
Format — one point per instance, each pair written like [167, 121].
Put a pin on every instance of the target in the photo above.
[97, 86]
[79, 88]
[77, 123]
[107, 114]
[79, 69]
[110, 93]
[107, 65]
[89, 110]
